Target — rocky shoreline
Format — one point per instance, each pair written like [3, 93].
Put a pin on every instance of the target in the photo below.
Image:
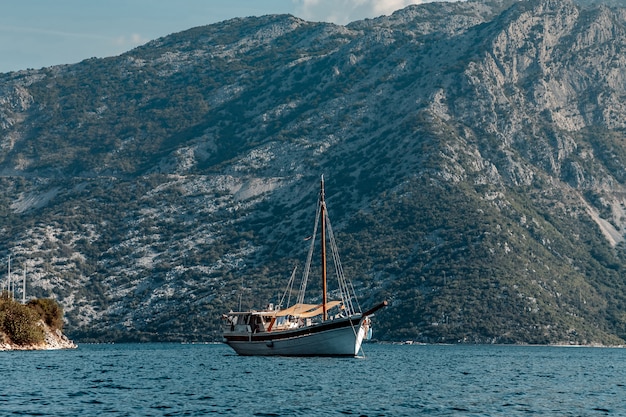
[53, 340]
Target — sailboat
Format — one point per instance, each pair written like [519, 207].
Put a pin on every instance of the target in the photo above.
[330, 328]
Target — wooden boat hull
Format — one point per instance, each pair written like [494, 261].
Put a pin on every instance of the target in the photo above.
[341, 337]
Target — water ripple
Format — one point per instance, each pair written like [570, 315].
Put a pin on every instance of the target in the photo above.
[196, 380]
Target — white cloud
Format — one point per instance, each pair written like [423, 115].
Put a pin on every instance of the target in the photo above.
[133, 40]
[345, 11]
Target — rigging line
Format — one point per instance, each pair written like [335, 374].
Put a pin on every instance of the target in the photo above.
[349, 286]
[289, 289]
[350, 294]
[292, 279]
[361, 347]
[355, 297]
[362, 351]
[345, 296]
[356, 335]
[307, 266]
[343, 282]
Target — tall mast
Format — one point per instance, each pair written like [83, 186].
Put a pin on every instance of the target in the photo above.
[323, 244]
[9, 278]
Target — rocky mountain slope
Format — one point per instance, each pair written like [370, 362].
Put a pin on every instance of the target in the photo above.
[474, 157]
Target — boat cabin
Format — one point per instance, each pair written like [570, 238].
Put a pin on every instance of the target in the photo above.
[272, 320]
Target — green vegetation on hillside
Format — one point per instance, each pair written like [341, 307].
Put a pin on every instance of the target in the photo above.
[20, 324]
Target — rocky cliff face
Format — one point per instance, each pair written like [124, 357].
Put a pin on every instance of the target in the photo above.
[473, 152]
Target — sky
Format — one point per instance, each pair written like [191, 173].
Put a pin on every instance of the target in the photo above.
[42, 33]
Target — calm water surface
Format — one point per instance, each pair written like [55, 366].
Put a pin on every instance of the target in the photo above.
[392, 380]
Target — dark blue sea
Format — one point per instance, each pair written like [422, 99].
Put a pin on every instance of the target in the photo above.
[391, 380]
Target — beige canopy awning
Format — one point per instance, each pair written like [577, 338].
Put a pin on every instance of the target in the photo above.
[303, 310]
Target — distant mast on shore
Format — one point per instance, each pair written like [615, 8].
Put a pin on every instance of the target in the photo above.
[24, 286]
[9, 278]
[11, 283]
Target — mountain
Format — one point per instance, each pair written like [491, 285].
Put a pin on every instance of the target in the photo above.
[473, 152]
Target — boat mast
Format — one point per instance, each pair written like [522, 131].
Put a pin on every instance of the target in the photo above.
[24, 287]
[323, 245]
[9, 278]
